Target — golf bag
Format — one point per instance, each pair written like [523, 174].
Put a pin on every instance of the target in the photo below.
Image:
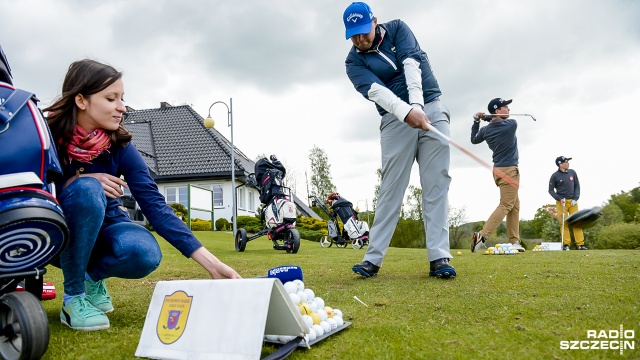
[32, 227]
[354, 228]
[33, 231]
[278, 208]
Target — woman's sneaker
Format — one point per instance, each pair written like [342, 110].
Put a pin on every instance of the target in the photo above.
[79, 314]
[98, 295]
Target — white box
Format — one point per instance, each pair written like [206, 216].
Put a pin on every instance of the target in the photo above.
[552, 245]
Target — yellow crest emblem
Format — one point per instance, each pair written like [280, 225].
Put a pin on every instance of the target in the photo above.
[173, 317]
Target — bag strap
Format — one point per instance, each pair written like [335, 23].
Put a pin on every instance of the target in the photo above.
[285, 350]
[13, 104]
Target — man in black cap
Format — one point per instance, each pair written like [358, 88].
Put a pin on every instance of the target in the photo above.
[500, 135]
[564, 187]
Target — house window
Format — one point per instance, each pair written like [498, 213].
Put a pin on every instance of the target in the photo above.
[252, 201]
[241, 198]
[177, 195]
[217, 193]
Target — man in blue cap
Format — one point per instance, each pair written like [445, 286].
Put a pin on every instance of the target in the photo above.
[387, 66]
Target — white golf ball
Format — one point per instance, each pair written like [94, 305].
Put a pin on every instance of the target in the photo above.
[295, 298]
[323, 314]
[299, 284]
[272, 337]
[286, 338]
[319, 330]
[333, 323]
[312, 334]
[302, 295]
[319, 301]
[325, 326]
[337, 312]
[308, 320]
[338, 320]
[313, 305]
[310, 294]
[290, 287]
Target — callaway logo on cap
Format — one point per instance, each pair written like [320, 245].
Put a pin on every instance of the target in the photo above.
[357, 18]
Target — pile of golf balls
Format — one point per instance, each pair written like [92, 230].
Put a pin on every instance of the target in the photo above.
[544, 247]
[320, 319]
[501, 249]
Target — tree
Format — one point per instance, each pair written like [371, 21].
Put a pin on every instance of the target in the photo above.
[630, 208]
[541, 217]
[457, 230]
[376, 191]
[321, 181]
[414, 203]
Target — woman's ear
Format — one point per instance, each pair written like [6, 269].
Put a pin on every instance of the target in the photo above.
[81, 102]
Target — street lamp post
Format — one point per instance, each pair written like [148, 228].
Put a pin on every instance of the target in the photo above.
[209, 123]
[366, 203]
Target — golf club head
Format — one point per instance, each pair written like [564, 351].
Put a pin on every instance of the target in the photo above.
[286, 273]
[585, 218]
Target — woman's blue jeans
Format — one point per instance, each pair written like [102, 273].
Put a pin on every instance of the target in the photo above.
[124, 249]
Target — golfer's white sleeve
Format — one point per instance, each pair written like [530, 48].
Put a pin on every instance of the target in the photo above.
[389, 101]
[413, 76]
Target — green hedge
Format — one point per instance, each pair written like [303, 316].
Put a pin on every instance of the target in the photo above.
[200, 225]
[618, 236]
[311, 235]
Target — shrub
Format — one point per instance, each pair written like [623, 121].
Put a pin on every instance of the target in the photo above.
[200, 225]
[618, 236]
[311, 235]
[311, 224]
[180, 210]
[222, 224]
[247, 221]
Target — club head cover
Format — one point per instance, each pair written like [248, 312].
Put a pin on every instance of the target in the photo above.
[286, 273]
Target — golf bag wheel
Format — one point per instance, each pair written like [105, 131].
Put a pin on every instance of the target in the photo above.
[292, 241]
[357, 244]
[24, 327]
[241, 240]
[325, 241]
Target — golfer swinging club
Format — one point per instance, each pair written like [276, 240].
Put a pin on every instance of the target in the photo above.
[388, 67]
[500, 135]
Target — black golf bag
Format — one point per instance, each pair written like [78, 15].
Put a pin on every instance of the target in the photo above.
[354, 228]
[278, 207]
[278, 211]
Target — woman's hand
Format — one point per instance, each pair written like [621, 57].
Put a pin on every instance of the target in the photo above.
[111, 184]
[213, 265]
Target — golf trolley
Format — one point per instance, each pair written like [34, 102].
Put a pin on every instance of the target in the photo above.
[278, 212]
[33, 230]
[353, 231]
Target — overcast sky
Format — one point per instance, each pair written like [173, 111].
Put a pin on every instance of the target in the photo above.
[573, 64]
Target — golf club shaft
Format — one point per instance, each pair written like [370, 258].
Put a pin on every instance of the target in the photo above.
[496, 171]
[492, 115]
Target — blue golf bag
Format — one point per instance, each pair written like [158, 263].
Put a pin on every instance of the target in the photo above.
[33, 230]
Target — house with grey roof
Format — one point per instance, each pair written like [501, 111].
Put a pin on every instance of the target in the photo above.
[180, 152]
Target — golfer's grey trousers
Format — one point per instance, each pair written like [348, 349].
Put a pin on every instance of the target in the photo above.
[401, 146]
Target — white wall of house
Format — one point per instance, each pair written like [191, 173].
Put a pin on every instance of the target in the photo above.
[248, 198]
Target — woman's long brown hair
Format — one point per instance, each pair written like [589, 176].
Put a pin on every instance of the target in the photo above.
[85, 77]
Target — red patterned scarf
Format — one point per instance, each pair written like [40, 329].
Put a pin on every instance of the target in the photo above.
[85, 146]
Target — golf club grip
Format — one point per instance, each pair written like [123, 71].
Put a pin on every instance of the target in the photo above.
[495, 170]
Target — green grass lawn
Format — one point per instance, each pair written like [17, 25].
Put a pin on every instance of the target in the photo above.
[499, 307]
